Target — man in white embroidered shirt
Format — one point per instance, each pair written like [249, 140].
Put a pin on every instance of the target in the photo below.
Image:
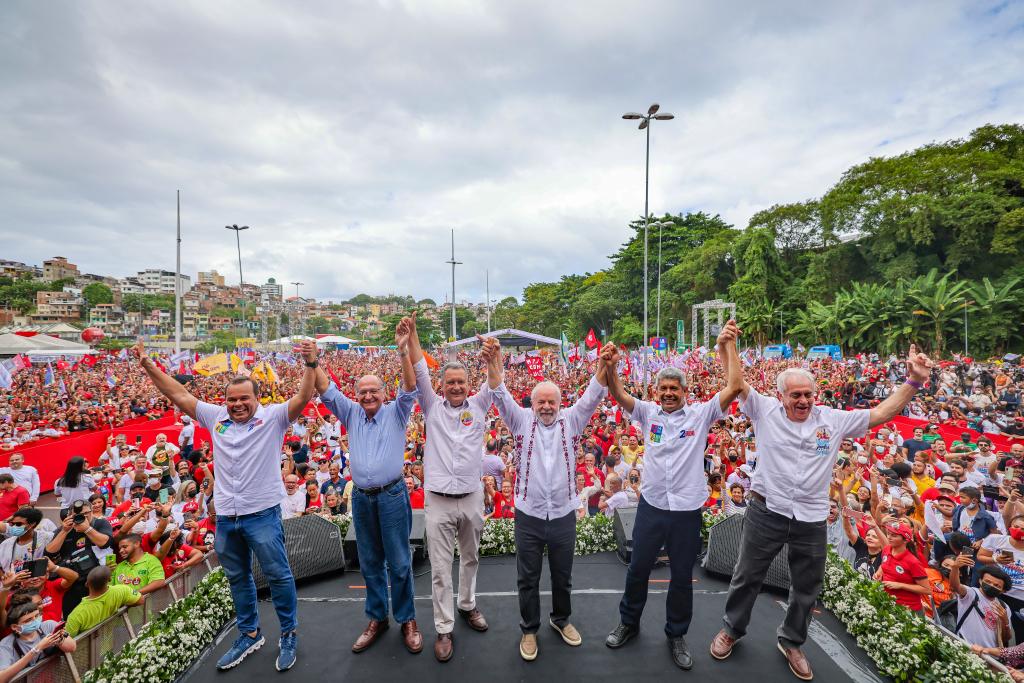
[797, 445]
[673, 490]
[545, 439]
[452, 481]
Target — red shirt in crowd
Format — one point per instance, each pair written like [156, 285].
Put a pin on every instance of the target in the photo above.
[503, 509]
[416, 499]
[590, 480]
[12, 501]
[903, 568]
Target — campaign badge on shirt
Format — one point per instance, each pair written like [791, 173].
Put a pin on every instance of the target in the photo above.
[684, 433]
[823, 438]
[222, 427]
[255, 423]
[900, 570]
[656, 431]
[466, 418]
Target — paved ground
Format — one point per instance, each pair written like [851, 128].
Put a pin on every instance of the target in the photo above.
[331, 617]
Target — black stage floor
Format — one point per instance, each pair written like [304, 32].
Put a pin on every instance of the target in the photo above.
[331, 618]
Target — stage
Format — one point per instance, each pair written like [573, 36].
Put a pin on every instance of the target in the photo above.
[331, 618]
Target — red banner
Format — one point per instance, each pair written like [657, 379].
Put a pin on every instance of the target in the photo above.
[591, 340]
[535, 366]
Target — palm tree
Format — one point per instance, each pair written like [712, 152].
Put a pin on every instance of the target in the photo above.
[999, 306]
[758, 321]
[939, 301]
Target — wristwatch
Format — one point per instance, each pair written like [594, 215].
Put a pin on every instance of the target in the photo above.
[313, 364]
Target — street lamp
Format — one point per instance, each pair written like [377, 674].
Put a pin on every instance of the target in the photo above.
[241, 288]
[645, 124]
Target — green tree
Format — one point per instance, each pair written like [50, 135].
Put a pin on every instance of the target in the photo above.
[96, 293]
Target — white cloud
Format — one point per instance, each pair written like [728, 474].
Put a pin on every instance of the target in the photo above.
[353, 136]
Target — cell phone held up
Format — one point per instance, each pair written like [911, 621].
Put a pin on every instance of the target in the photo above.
[39, 567]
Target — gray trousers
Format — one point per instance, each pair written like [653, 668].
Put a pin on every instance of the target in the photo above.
[764, 533]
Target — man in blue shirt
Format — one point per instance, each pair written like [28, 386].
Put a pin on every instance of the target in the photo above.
[380, 502]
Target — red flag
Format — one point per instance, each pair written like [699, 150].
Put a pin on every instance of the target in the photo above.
[591, 339]
[334, 377]
[89, 360]
[628, 369]
[181, 368]
[431, 361]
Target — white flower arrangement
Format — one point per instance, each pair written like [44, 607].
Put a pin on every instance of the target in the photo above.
[903, 645]
[165, 646]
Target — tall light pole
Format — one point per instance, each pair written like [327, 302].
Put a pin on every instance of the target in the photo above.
[645, 124]
[487, 281]
[297, 304]
[453, 263]
[177, 284]
[241, 288]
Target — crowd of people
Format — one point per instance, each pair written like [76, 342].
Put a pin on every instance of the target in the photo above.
[940, 524]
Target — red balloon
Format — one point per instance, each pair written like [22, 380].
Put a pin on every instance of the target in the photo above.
[92, 334]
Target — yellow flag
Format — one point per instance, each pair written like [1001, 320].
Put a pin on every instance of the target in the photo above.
[264, 373]
[212, 365]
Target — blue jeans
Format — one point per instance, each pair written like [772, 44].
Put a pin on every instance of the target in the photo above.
[261, 533]
[383, 524]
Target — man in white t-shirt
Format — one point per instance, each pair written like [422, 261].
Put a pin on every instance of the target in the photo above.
[798, 445]
[982, 617]
[673, 490]
[24, 475]
[186, 437]
[616, 497]
[247, 495]
[293, 503]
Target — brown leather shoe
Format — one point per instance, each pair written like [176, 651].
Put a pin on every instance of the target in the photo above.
[721, 646]
[798, 664]
[475, 620]
[412, 637]
[369, 636]
[443, 648]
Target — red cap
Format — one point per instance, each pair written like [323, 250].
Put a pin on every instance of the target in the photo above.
[903, 530]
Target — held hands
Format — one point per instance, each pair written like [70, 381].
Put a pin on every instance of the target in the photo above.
[139, 350]
[308, 350]
[729, 334]
[490, 349]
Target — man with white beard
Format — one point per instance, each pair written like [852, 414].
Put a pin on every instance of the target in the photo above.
[545, 439]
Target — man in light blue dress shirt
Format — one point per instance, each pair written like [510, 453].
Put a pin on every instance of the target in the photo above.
[380, 503]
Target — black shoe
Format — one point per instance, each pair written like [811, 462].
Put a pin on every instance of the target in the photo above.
[680, 653]
[621, 635]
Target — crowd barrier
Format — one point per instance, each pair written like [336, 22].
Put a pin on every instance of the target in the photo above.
[949, 432]
[50, 456]
[111, 635]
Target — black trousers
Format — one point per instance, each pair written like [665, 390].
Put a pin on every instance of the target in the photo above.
[532, 536]
[679, 533]
[764, 533]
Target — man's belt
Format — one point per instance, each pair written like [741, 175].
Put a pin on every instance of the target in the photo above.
[377, 489]
[449, 495]
[757, 496]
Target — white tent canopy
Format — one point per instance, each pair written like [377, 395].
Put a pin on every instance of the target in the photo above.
[329, 339]
[12, 344]
[511, 337]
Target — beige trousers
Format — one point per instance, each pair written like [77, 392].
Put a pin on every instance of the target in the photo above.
[448, 520]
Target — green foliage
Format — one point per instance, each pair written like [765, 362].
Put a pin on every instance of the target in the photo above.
[20, 294]
[149, 302]
[893, 253]
[97, 293]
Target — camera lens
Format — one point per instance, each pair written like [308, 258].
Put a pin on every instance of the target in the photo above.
[79, 518]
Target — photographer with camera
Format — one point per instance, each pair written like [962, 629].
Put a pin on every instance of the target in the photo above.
[79, 543]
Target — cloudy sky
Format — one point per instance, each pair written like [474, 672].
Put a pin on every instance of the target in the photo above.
[352, 136]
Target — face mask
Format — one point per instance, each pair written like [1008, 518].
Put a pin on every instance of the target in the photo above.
[944, 571]
[154, 482]
[1017, 534]
[990, 591]
[732, 458]
[862, 459]
[36, 624]
[879, 449]
[15, 531]
[971, 506]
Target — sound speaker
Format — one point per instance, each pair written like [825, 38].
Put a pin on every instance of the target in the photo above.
[313, 545]
[622, 524]
[724, 549]
[417, 539]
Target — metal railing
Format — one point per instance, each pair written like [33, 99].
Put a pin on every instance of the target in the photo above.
[114, 633]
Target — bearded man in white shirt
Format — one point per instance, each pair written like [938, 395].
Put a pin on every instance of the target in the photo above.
[798, 445]
[673, 490]
[545, 439]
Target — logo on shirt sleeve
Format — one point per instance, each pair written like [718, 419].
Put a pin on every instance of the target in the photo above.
[656, 431]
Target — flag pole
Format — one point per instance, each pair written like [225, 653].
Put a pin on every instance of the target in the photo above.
[177, 286]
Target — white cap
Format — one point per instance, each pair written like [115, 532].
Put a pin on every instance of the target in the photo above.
[186, 419]
[746, 469]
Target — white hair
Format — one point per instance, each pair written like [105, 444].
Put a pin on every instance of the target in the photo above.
[453, 365]
[545, 385]
[783, 378]
[671, 374]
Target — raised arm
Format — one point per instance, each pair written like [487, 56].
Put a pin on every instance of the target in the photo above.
[491, 352]
[298, 402]
[609, 365]
[405, 329]
[731, 364]
[918, 372]
[165, 384]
